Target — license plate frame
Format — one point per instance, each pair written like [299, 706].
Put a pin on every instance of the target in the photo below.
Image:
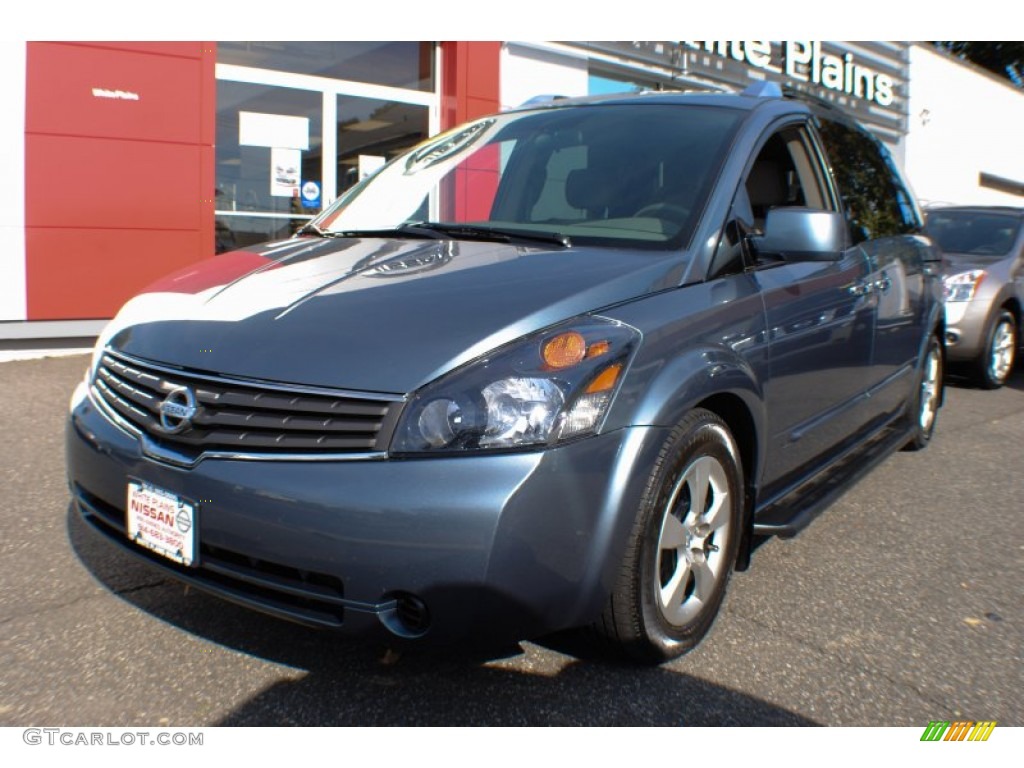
[162, 522]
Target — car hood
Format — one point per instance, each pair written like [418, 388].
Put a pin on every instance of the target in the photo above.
[962, 262]
[377, 315]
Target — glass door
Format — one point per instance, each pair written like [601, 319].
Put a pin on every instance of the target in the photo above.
[269, 146]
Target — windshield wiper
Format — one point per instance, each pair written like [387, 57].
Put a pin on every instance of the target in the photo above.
[437, 230]
[497, 234]
[313, 229]
[406, 230]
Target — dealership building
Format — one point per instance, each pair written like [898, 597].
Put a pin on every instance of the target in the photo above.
[125, 161]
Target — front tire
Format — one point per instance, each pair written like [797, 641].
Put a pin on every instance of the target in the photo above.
[683, 545]
[996, 362]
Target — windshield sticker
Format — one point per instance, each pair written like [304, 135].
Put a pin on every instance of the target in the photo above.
[444, 146]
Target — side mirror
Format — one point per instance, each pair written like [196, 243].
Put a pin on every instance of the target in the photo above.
[802, 234]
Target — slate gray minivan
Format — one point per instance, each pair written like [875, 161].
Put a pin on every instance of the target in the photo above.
[555, 368]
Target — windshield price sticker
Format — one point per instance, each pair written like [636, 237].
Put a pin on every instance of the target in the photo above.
[162, 522]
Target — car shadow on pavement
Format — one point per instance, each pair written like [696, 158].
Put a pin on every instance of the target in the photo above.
[961, 377]
[368, 681]
[1016, 380]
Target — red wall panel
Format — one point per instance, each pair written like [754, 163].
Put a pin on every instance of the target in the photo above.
[470, 82]
[83, 274]
[470, 86]
[166, 48]
[118, 191]
[86, 182]
[67, 79]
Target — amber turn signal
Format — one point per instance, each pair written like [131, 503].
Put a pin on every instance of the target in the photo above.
[605, 380]
[564, 350]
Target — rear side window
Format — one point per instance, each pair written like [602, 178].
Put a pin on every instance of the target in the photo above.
[877, 204]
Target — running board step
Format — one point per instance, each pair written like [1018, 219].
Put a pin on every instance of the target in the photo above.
[789, 515]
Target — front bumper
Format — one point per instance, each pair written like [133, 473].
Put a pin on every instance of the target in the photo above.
[511, 545]
[966, 325]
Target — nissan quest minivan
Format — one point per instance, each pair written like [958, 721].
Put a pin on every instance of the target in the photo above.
[555, 368]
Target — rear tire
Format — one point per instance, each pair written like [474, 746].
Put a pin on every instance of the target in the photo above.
[683, 545]
[923, 408]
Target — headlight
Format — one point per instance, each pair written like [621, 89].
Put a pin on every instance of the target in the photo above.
[540, 390]
[963, 285]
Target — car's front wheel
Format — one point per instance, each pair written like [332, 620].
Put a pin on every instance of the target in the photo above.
[683, 544]
[996, 362]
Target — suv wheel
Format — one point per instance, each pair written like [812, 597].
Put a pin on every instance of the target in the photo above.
[683, 545]
[996, 363]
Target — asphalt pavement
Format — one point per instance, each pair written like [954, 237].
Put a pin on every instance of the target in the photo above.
[902, 604]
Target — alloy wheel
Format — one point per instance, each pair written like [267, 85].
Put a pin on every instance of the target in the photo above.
[1002, 351]
[931, 385]
[693, 542]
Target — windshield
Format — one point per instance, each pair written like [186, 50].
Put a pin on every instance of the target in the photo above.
[979, 233]
[634, 175]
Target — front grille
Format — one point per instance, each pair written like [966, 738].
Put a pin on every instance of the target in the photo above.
[244, 417]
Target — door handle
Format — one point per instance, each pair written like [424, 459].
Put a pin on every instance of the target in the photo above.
[860, 289]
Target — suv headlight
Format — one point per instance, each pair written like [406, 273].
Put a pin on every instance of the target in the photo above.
[543, 389]
[963, 285]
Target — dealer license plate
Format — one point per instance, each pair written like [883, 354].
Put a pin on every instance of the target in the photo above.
[161, 521]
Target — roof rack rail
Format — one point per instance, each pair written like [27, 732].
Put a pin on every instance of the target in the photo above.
[765, 89]
[545, 98]
[792, 92]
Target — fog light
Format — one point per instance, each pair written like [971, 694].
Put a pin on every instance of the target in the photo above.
[407, 616]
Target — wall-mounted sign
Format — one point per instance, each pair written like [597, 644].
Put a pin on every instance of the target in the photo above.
[108, 93]
[866, 79]
[259, 129]
[285, 165]
[311, 194]
[804, 60]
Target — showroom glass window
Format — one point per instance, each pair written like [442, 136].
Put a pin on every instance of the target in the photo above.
[372, 131]
[600, 83]
[298, 123]
[253, 175]
[401, 64]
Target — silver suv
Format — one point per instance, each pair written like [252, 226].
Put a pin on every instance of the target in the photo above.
[984, 286]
